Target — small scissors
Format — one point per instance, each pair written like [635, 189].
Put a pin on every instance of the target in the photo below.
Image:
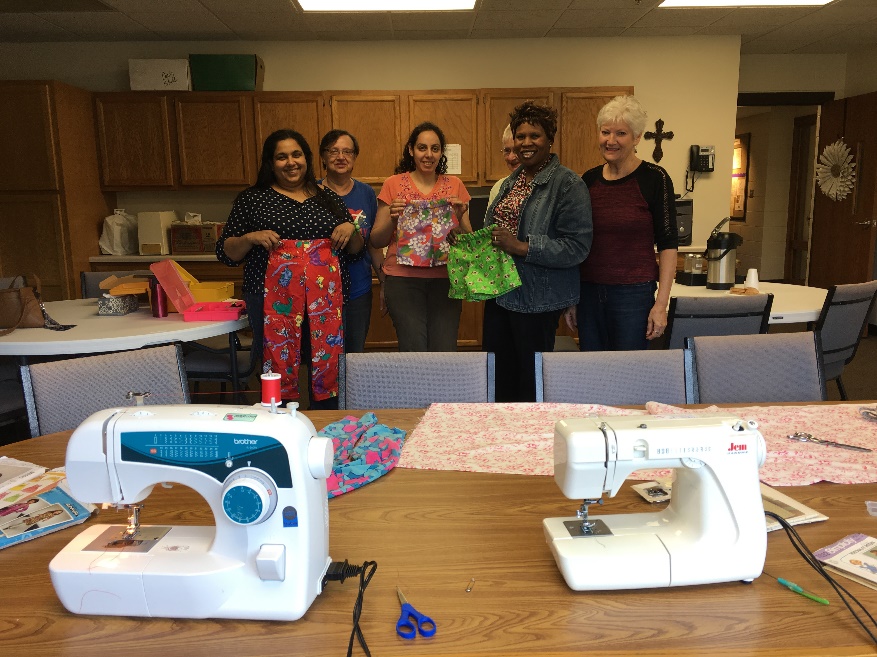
[412, 621]
[800, 436]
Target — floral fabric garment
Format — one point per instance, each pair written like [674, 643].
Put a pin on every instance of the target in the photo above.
[478, 270]
[364, 451]
[422, 231]
[303, 276]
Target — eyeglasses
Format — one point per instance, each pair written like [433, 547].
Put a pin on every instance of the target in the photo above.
[506, 151]
[335, 152]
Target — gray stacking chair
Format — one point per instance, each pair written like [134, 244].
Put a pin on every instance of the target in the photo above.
[615, 378]
[411, 379]
[840, 326]
[62, 393]
[689, 317]
[745, 369]
[90, 280]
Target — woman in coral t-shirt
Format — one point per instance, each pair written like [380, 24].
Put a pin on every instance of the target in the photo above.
[420, 209]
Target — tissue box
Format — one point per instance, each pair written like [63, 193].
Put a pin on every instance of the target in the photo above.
[152, 231]
[226, 72]
[121, 305]
[195, 238]
[150, 74]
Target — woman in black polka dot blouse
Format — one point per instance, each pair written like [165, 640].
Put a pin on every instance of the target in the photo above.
[292, 235]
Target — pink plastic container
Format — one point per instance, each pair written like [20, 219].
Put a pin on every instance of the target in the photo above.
[214, 311]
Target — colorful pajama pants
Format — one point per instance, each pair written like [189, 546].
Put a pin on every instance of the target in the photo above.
[303, 277]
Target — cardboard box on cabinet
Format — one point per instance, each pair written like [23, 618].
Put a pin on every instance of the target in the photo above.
[159, 74]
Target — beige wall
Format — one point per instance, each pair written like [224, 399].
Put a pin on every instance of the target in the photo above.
[690, 82]
[861, 73]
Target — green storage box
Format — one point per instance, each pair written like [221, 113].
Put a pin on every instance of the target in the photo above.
[226, 72]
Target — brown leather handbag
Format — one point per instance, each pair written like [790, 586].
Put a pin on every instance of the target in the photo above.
[20, 306]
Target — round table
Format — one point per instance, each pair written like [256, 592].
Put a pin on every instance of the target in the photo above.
[791, 303]
[95, 333]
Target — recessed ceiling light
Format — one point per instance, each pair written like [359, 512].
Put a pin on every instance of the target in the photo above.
[744, 3]
[385, 5]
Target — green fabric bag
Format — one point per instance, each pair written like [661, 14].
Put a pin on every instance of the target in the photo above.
[478, 270]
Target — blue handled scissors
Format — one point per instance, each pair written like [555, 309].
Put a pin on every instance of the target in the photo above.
[412, 621]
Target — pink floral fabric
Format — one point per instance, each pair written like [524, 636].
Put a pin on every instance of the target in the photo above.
[519, 439]
[422, 232]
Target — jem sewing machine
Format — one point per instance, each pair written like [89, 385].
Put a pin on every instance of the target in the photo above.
[263, 474]
[712, 531]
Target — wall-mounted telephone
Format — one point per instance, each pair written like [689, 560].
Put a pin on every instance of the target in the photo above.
[702, 158]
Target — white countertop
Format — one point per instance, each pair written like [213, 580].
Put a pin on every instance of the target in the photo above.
[791, 303]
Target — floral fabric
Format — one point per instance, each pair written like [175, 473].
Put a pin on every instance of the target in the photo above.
[364, 451]
[422, 231]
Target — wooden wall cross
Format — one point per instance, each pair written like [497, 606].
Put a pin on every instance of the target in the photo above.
[659, 135]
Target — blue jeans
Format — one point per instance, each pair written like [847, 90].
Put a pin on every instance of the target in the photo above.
[614, 317]
[357, 316]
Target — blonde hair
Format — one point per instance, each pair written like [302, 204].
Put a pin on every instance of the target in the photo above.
[624, 109]
[507, 134]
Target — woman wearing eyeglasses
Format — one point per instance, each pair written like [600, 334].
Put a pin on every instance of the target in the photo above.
[338, 151]
[419, 210]
[511, 161]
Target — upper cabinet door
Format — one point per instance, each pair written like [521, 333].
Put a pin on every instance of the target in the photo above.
[135, 137]
[456, 115]
[215, 139]
[376, 123]
[299, 111]
[26, 132]
[498, 104]
[578, 130]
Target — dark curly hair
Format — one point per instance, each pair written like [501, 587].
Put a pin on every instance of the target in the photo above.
[406, 164]
[266, 177]
[542, 115]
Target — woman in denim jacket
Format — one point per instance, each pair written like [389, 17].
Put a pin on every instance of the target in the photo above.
[542, 217]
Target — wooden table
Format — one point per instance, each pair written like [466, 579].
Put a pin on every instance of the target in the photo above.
[792, 304]
[94, 333]
[430, 533]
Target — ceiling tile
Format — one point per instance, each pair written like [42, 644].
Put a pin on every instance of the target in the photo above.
[658, 31]
[346, 22]
[188, 26]
[155, 6]
[522, 5]
[763, 16]
[585, 31]
[681, 17]
[31, 28]
[575, 18]
[621, 5]
[742, 30]
[101, 26]
[517, 20]
[840, 15]
[433, 20]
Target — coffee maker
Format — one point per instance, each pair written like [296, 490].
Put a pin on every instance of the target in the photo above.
[721, 257]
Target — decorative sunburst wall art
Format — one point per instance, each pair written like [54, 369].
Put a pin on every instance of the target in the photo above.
[835, 172]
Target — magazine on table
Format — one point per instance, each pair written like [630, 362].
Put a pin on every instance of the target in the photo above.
[13, 471]
[792, 511]
[30, 508]
[854, 557]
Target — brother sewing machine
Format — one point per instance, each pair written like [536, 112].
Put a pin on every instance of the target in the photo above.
[713, 529]
[262, 473]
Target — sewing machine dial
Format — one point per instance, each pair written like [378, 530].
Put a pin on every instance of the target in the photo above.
[249, 497]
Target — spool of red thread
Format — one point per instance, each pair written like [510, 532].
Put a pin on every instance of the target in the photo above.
[270, 388]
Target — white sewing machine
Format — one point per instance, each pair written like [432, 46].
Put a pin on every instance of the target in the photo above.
[263, 474]
[713, 529]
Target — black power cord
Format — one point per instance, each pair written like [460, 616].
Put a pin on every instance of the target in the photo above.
[807, 555]
[338, 571]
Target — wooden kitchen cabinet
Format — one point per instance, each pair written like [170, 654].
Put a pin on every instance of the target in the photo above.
[299, 111]
[50, 222]
[215, 139]
[456, 115]
[137, 138]
[375, 119]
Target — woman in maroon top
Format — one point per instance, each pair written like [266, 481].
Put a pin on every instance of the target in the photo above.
[634, 211]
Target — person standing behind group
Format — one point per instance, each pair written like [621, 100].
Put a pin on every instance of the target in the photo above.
[542, 217]
[634, 211]
[291, 233]
[339, 150]
[424, 317]
[511, 161]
